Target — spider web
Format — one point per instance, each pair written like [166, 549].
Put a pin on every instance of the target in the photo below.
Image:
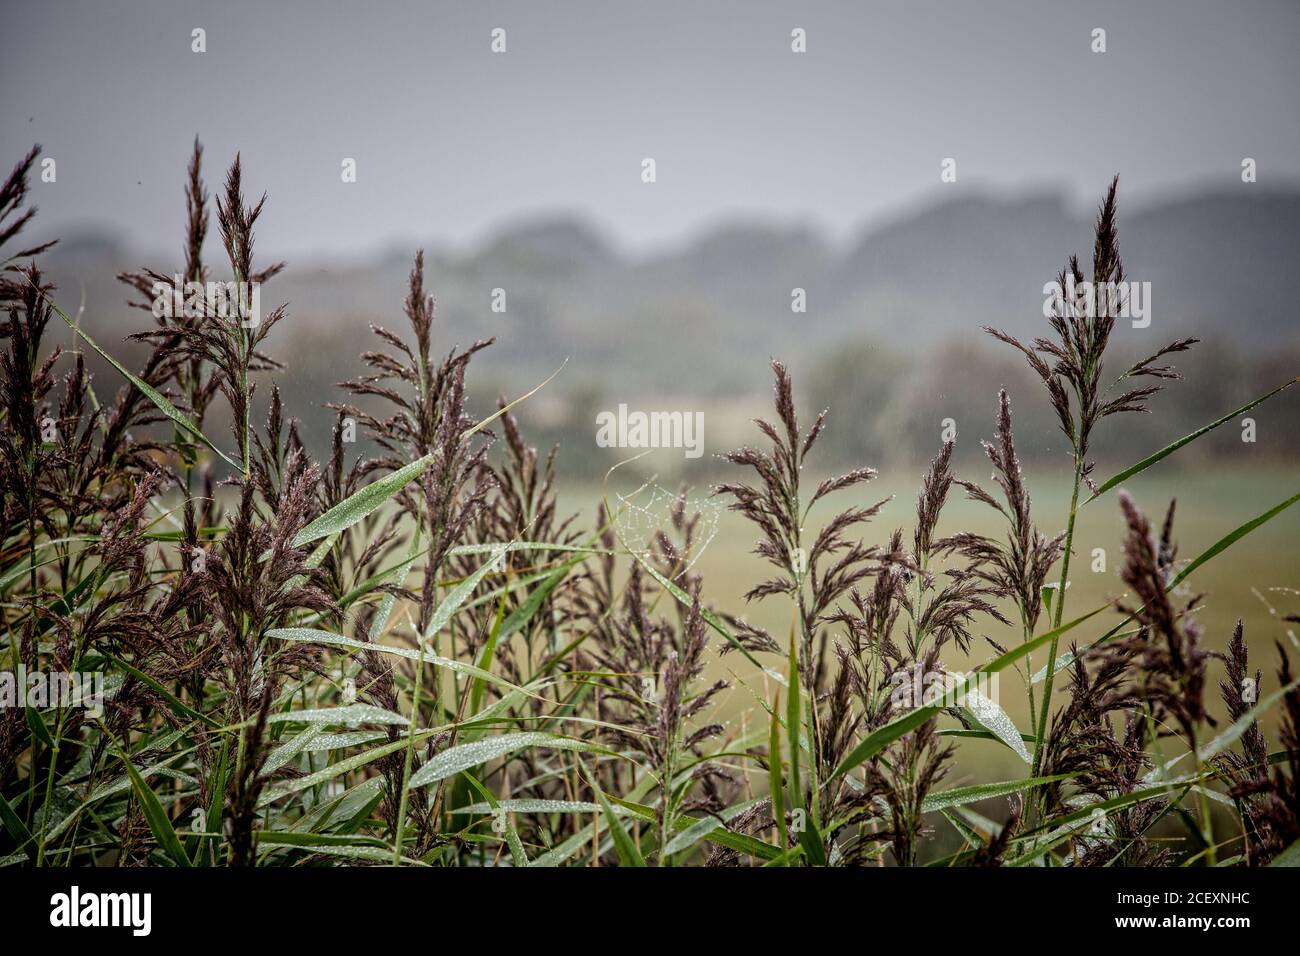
[1272, 611]
[639, 514]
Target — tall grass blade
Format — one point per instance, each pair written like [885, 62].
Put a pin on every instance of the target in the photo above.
[628, 854]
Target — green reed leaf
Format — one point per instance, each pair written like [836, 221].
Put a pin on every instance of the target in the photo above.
[1168, 450]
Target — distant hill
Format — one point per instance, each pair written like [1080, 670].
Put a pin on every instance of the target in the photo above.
[1216, 263]
[699, 322]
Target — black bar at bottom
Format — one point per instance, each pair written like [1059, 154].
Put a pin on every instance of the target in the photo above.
[343, 906]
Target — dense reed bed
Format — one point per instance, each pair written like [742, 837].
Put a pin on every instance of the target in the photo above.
[224, 653]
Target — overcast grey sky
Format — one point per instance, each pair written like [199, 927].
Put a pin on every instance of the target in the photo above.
[452, 140]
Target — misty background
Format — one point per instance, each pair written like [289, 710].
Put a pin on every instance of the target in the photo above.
[775, 170]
